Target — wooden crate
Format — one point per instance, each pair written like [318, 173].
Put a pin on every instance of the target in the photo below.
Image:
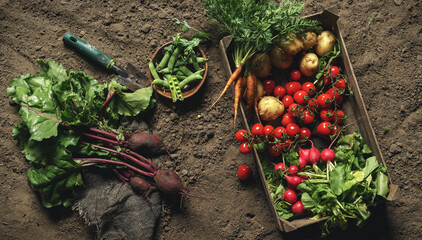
[353, 107]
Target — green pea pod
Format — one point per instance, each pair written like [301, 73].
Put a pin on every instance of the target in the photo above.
[153, 71]
[190, 79]
[185, 70]
[164, 61]
[180, 77]
[195, 62]
[176, 92]
[161, 83]
[173, 58]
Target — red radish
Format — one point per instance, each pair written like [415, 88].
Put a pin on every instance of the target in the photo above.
[302, 163]
[290, 196]
[145, 143]
[293, 170]
[304, 154]
[244, 172]
[298, 208]
[314, 154]
[294, 180]
[279, 166]
[328, 155]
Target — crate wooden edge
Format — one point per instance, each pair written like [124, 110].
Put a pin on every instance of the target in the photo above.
[368, 133]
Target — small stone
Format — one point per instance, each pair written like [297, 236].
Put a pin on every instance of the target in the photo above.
[146, 28]
[167, 229]
[38, 48]
[394, 149]
[398, 2]
[184, 172]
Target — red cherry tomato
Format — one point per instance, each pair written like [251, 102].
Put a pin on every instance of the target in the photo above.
[295, 109]
[279, 132]
[292, 87]
[339, 100]
[279, 91]
[286, 144]
[245, 148]
[340, 84]
[244, 172]
[338, 116]
[308, 117]
[287, 118]
[334, 93]
[269, 86]
[324, 128]
[257, 129]
[324, 100]
[300, 97]
[287, 101]
[335, 129]
[309, 88]
[334, 71]
[330, 75]
[292, 129]
[326, 114]
[295, 75]
[305, 133]
[269, 130]
[275, 150]
[312, 104]
[240, 136]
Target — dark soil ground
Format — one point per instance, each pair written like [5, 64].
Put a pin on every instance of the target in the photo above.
[384, 43]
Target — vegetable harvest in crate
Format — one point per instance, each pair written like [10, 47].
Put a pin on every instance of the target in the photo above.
[70, 122]
[290, 72]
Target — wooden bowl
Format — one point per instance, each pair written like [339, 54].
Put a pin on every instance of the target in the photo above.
[192, 89]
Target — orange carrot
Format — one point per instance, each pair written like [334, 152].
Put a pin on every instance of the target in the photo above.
[239, 88]
[232, 78]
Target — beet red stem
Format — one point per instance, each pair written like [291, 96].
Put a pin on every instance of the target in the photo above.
[105, 104]
[101, 160]
[127, 156]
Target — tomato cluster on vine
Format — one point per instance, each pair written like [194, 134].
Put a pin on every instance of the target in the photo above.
[310, 109]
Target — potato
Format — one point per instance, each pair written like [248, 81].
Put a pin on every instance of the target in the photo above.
[310, 40]
[280, 59]
[262, 65]
[291, 44]
[270, 108]
[308, 64]
[325, 43]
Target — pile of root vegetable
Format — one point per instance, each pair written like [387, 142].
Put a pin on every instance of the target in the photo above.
[71, 122]
[289, 71]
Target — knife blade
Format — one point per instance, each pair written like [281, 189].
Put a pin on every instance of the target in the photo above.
[98, 57]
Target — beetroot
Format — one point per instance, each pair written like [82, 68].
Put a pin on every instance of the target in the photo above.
[168, 182]
[140, 185]
[145, 143]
